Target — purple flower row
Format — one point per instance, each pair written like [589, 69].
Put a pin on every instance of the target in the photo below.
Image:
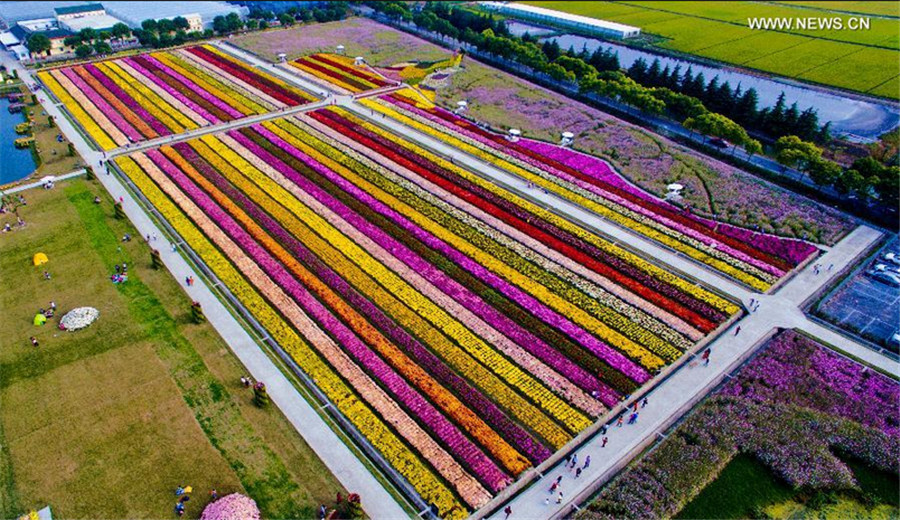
[218, 103]
[127, 100]
[611, 356]
[461, 447]
[519, 438]
[114, 116]
[173, 92]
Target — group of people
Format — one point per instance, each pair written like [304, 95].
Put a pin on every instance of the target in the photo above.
[121, 274]
[183, 493]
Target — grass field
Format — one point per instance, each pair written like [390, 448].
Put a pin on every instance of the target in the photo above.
[106, 422]
[860, 60]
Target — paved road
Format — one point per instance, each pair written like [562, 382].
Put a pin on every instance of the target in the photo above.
[39, 183]
[349, 470]
[668, 401]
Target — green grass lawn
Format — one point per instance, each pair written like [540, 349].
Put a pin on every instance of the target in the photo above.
[720, 31]
[744, 484]
[107, 421]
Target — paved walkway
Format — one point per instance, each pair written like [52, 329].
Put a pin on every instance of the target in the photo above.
[40, 183]
[686, 386]
[343, 463]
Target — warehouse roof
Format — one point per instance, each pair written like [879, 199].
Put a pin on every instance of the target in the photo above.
[540, 11]
[75, 9]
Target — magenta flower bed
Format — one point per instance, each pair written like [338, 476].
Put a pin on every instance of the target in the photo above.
[218, 103]
[459, 445]
[794, 369]
[128, 100]
[174, 93]
[103, 106]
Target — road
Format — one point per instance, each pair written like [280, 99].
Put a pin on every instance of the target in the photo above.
[668, 401]
[37, 183]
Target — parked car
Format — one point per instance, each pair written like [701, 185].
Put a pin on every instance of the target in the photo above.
[719, 143]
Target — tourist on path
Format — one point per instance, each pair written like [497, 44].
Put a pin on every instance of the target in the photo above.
[644, 403]
[508, 511]
[587, 462]
[620, 421]
[737, 330]
[633, 418]
[605, 440]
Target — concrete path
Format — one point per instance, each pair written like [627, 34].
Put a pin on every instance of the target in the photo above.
[40, 183]
[349, 470]
[689, 384]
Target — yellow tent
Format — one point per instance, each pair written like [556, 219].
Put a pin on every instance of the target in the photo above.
[39, 319]
[40, 258]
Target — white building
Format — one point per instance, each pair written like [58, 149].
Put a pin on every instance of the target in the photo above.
[93, 16]
[578, 23]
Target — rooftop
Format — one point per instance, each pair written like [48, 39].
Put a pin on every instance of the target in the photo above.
[75, 9]
[99, 22]
[541, 11]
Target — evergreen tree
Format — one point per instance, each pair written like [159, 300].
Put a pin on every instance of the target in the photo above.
[653, 74]
[745, 109]
[551, 49]
[638, 70]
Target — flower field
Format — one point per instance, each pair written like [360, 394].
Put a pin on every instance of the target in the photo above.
[340, 71]
[797, 407]
[755, 259]
[131, 99]
[465, 332]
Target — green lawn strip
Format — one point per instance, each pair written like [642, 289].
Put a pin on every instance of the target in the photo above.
[882, 485]
[743, 485]
[261, 471]
[9, 497]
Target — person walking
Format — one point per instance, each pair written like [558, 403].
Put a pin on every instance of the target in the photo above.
[633, 418]
[587, 462]
[737, 330]
[507, 511]
[34, 341]
[705, 357]
[554, 487]
[574, 459]
[644, 403]
[559, 498]
[620, 421]
[577, 472]
[213, 495]
[605, 440]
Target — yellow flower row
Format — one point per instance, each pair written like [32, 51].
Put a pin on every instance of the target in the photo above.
[237, 87]
[610, 209]
[637, 352]
[622, 220]
[609, 324]
[445, 400]
[168, 115]
[568, 416]
[427, 484]
[295, 200]
[328, 79]
[86, 121]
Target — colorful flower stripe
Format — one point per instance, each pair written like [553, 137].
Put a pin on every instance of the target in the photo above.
[177, 94]
[472, 293]
[612, 357]
[685, 287]
[168, 110]
[283, 152]
[116, 101]
[331, 287]
[549, 375]
[335, 62]
[585, 174]
[248, 214]
[748, 275]
[134, 98]
[103, 106]
[143, 115]
[265, 82]
[262, 77]
[177, 184]
[452, 352]
[381, 437]
[330, 77]
[84, 119]
[238, 89]
[630, 330]
[214, 88]
[290, 196]
[84, 100]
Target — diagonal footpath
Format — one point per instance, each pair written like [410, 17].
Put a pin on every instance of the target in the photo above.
[377, 502]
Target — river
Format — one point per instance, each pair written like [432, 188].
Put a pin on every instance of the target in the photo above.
[848, 114]
[16, 163]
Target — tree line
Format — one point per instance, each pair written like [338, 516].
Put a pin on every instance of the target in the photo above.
[710, 108]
